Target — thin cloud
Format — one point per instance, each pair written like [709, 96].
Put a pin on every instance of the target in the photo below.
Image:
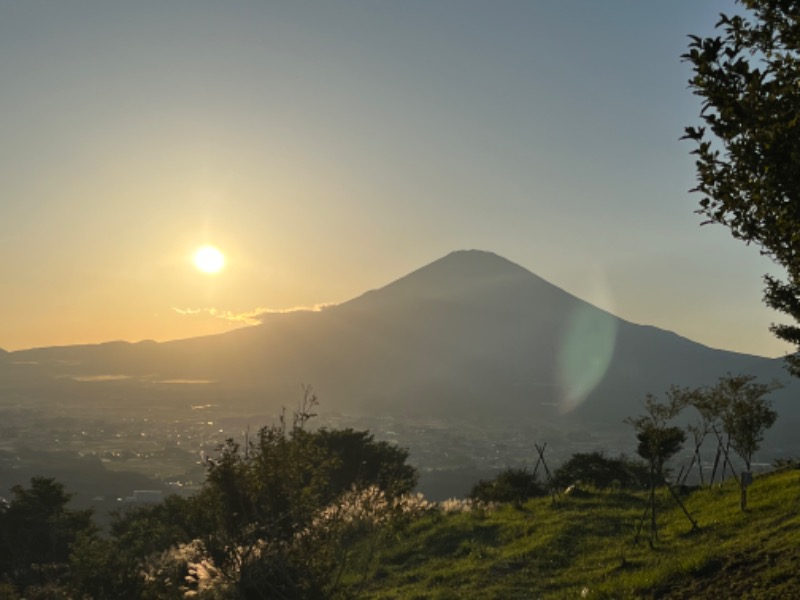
[250, 317]
[185, 381]
[189, 311]
[91, 378]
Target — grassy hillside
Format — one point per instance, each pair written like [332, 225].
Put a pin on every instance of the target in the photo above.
[582, 547]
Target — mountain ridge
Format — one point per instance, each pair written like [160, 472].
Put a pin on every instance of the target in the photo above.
[475, 261]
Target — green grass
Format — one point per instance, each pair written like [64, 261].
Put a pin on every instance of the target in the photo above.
[583, 547]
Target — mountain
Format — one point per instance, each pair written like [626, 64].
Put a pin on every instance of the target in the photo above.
[469, 334]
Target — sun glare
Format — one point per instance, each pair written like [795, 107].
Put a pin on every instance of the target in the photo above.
[209, 259]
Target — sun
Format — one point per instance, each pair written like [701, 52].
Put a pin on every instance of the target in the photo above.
[209, 259]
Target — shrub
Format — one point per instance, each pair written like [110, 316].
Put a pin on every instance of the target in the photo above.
[510, 485]
[600, 471]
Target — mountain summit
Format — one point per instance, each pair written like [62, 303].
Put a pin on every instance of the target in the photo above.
[465, 275]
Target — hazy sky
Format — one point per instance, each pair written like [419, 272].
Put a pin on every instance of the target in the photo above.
[330, 147]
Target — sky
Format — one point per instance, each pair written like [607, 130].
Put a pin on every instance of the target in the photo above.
[328, 148]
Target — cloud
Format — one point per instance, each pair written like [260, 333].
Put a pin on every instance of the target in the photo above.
[90, 378]
[185, 382]
[250, 317]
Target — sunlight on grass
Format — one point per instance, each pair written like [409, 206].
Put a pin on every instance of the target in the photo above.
[584, 548]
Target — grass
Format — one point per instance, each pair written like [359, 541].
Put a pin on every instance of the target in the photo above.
[583, 547]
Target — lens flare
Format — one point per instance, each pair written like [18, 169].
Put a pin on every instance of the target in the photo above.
[585, 354]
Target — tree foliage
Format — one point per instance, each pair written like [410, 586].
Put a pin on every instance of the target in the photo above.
[276, 517]
[37, 530]
[748, 153]
[745, 411]
[510, 485]
[270, 507]
[360, 461]
[263, 503]
[601, 471]
[110, 567]
[658, 441]
[658, 444]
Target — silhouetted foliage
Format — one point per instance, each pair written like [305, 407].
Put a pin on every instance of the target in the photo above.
[110, 567]
[746, 413]
[360, 461]
[268, 509]
[784, 464]
[36, 532]
[256, 502]
[748, 154]
[598, 470]
[510, 485]
[709, 422]
[657, 440]
[736, 406]
[658, 444]
[275, 518]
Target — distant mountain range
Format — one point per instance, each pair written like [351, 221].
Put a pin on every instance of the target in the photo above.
[469, 334]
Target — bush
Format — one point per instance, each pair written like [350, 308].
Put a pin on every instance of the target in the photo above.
[600, 471]
[511, 485]
[269, 508]
[276, 518]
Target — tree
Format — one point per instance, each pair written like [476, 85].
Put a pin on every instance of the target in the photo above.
[746, 412]
[259, 500]
[699, 429]
[361, 461]
[657, 445]
[37, 531]
[658, 441]
[272, 509]
[748, 153]
[277, 517]
[110, 567]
